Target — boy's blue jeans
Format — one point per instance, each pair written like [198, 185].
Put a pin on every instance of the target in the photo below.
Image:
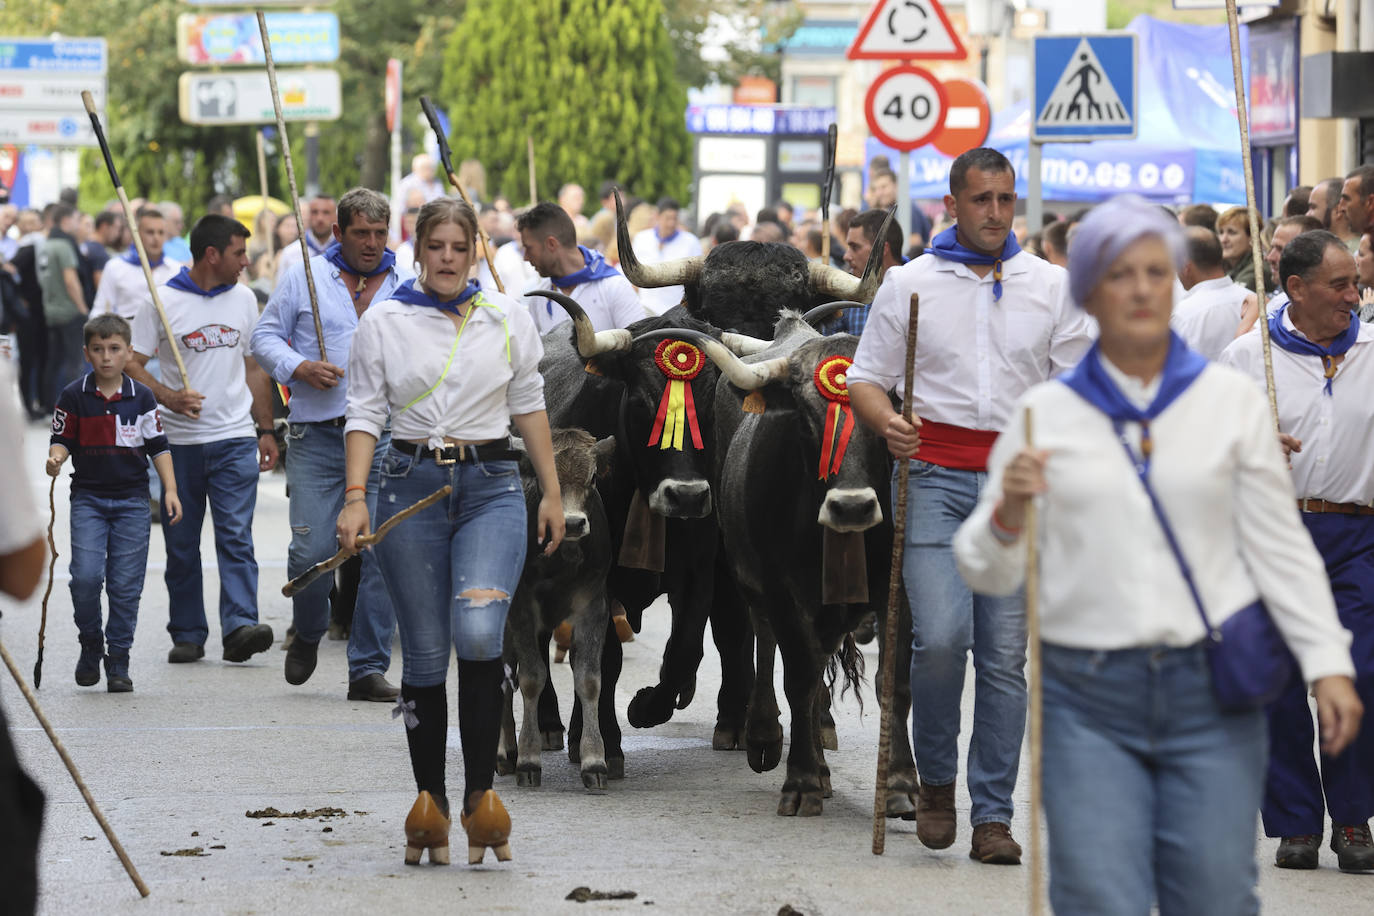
[109, 544]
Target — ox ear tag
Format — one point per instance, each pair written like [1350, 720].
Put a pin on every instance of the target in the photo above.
[593, 369]
[844, 568]
[754, 403]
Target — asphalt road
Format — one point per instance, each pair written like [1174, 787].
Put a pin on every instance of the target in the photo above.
[176, 765]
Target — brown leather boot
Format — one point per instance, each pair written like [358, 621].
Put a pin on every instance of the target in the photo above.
[487, 826]
[427, 828]
[993, 845]
[936, 824]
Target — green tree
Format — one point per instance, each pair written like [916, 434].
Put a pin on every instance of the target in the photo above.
[592, 81]
[753, 28]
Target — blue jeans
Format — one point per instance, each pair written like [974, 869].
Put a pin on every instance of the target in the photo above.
[109, 543]
[473, 540]
[1151, 792]
[947, 622]
[315, 474]
[225, 474]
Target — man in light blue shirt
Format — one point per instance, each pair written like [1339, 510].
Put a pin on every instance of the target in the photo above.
[354, 271]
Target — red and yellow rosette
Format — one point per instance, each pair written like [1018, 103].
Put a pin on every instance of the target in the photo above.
[680, 362]
[839, 416]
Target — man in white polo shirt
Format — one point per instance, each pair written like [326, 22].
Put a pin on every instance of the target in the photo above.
[220, 439]
[123, 289]
[1208, 316]
[550, 243]
[664, 241]
[993, 322]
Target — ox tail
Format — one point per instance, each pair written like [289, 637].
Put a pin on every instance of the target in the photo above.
[848, 662]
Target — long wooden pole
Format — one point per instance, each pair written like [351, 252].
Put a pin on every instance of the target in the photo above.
[1243, 114]
[529, 156]
[1035, 713]
[889, 684]
[262, 168]
[446, 160]
[76, 775]
[291, 181]
[131, 218]
[47, 590]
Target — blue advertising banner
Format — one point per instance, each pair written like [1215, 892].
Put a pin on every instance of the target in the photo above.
[757, 119]
[70, 55]
[234, 38]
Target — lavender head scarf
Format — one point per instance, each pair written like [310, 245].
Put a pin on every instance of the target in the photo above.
[1108, 230]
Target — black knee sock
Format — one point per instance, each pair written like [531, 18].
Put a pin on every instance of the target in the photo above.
[428, 737]
[479, 721]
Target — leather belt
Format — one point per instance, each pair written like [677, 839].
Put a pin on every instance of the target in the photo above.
[336, 422]
[456, 454]
[1321, 505]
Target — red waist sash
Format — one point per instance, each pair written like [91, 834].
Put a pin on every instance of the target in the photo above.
[954, 446]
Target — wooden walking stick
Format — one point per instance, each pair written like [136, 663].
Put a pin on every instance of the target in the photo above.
[291, 181]
[71, 768]
[367, 540]
[446, 160]
[129, 217]
[529, 155]
[831, 139]
[1243, 114]
[262, 169]
[889, 684]
[1037, 851]
[47, 591]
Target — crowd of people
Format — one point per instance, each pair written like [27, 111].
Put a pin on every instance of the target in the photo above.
[1125, 325]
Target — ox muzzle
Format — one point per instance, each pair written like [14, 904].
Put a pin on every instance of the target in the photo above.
[681, 499]
[575, 526]
[850, 510]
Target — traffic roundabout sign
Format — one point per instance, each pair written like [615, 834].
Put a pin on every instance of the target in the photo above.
[906, 107]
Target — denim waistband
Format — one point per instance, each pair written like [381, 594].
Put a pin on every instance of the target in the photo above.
[1157, 656]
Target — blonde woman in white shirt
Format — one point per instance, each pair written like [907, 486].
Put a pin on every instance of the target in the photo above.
[453, 365]
[1151, 789]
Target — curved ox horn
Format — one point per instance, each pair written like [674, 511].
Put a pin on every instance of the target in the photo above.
[682, 272]
[590, 341]
[745, 376]
[743, 344]
[822, 312]
[832, 281]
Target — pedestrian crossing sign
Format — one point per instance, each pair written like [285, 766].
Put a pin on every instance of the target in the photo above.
[1086, 87]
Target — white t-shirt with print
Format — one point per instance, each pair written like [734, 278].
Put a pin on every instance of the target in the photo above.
[213, 335]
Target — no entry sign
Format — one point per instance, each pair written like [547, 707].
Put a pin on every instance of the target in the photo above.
[905, 107]
[968, 119]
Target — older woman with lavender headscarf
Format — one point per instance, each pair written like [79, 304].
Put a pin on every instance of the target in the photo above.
[1151, 788]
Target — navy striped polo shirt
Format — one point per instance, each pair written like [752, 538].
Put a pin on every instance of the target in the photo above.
[109, 439]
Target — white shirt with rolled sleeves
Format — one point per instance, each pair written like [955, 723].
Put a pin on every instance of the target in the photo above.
[974, 355]
[20, 523]
[400, 352]
[650, 250]
[610, 302]
[212, 335]
[1337, 430]
[1207, 317]
[1110, 580]
[285, 335]
[123, 289]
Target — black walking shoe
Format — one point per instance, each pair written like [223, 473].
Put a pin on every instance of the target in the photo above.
[247, 641]
[1353, 846]
[372, 687]
[1300, 851]
[117, 673]
[300, 660]
[183, 652]
[88, 665]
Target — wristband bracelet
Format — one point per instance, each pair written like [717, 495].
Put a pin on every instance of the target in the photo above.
[266, 432]
[1000, 530]
[348, 490]
[360, 499]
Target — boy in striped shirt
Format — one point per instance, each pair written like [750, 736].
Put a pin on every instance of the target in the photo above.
[110, 425]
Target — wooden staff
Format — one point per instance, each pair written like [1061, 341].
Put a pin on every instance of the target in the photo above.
[367, 540]
[129, 217]
[291, 181]
[71, 768]
[529, 156]
[47, 591]
[262, 169]
[831, 140]
[446, 160]
[1037, 852]
[889, 685]
[1242, 112]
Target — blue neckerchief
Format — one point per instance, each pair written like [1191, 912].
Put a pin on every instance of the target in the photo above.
[947, 245]
[183, 282]
[131, 257]
[1295, 344]
[1090, 381]
[410, 293]
[663, 241]
[594, 268]
[334, 255]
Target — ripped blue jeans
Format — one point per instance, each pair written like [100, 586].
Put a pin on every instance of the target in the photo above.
[473, 541]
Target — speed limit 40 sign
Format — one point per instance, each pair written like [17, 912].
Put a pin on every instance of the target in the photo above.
[906, 107]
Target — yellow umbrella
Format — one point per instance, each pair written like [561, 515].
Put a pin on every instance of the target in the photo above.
[246, 208]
